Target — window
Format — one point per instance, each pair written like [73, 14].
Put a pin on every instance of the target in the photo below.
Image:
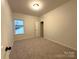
[19, 26]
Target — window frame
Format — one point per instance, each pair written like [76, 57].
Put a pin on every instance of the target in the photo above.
[14, 26]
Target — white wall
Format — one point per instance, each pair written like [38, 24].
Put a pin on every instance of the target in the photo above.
[60, 24]
[6, 28]
[30, 23]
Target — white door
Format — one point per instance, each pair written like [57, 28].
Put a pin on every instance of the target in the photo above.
[6, 29]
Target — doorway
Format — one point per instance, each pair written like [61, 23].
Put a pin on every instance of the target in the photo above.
[42, 29]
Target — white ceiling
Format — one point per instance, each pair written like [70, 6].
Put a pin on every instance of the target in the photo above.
[22, 6]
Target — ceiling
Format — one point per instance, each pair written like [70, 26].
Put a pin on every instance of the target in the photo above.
[22, 6]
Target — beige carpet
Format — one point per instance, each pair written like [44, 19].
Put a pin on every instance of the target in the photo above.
[40, 49]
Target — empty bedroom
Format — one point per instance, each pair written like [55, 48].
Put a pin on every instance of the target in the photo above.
[39, 29]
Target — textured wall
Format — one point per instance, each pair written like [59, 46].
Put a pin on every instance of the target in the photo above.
[60, 24]
[30, 24]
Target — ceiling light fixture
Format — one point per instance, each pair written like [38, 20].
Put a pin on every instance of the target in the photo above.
[36, 5]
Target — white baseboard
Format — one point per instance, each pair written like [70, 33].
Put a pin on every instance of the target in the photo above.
[62, 44]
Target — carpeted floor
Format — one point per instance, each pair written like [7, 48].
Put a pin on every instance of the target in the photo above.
[40, 49]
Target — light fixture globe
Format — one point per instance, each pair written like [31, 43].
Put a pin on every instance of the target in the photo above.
[36, 5]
